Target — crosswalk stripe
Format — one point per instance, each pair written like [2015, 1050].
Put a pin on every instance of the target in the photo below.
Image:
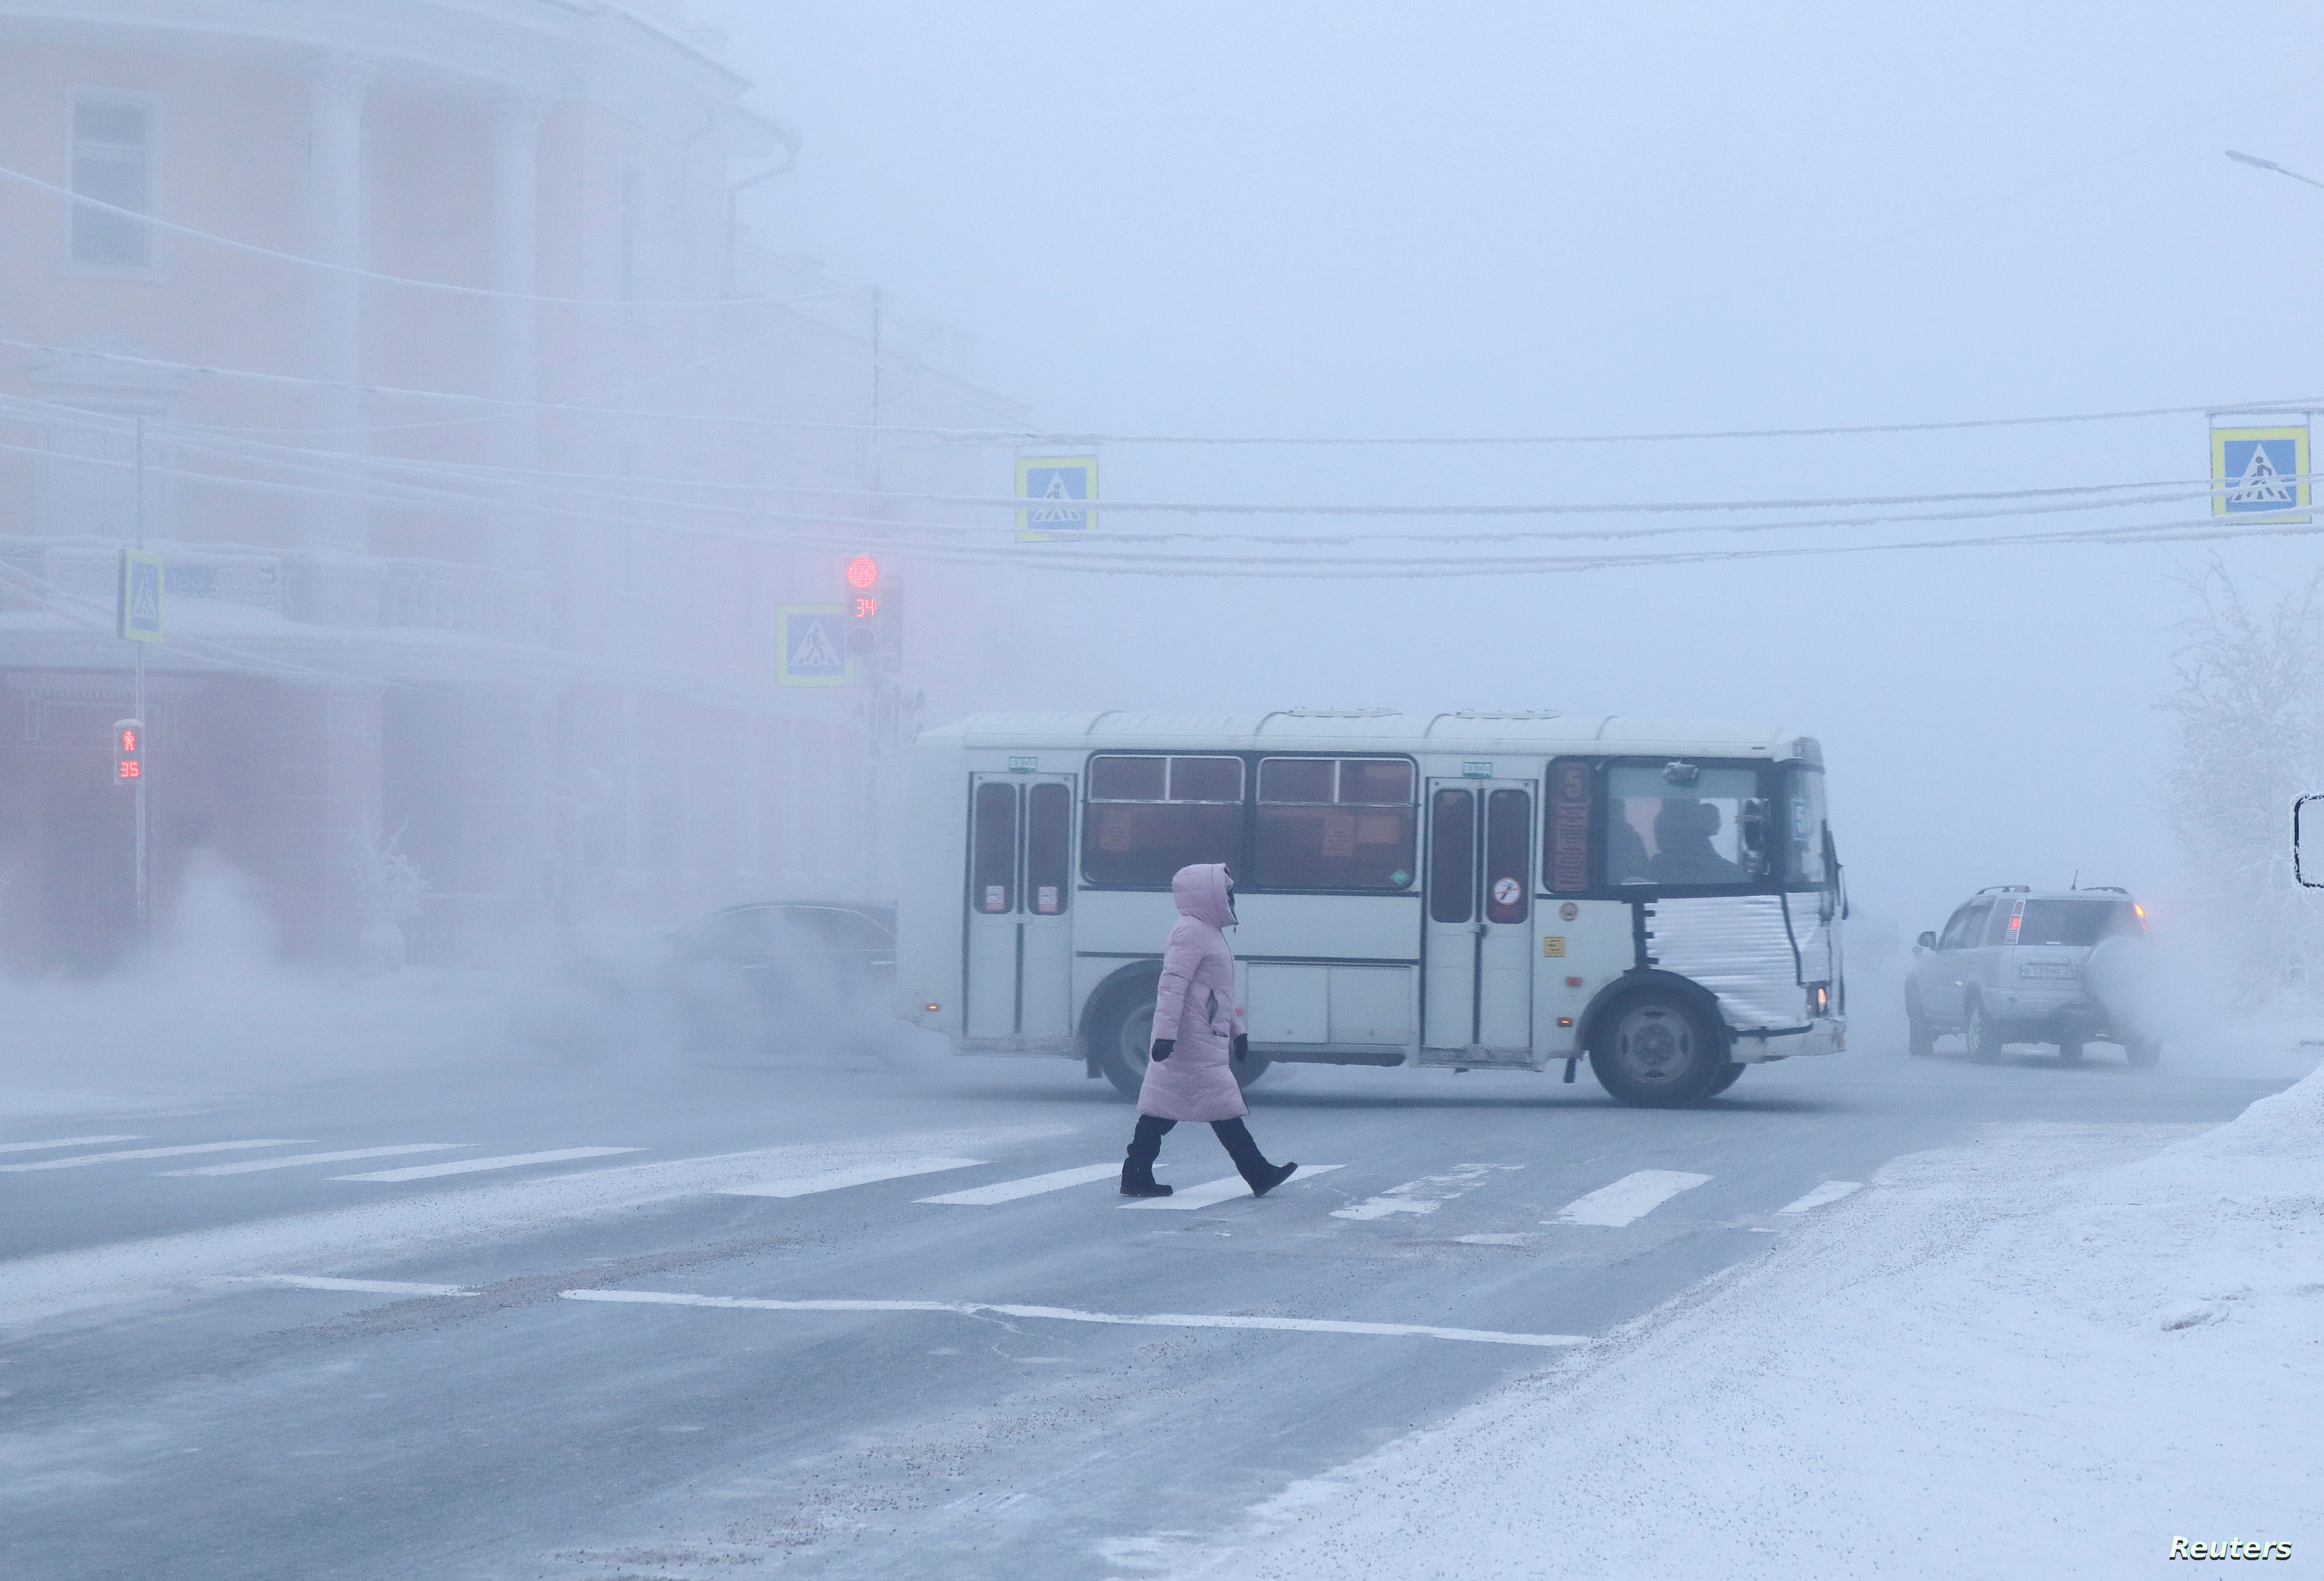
[363, 1286]
[1074, 1315]
[470, 1165]
[1631, 1197]
[862, 1174]
[300, 1158]
[1212, 1192]
[148, 1152]
[61, 1142]
[1030, 1186]
[1829, 1191]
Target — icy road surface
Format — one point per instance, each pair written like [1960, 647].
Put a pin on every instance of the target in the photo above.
[837, 1316]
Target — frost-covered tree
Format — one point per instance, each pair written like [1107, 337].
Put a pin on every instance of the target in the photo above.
[2250, 709]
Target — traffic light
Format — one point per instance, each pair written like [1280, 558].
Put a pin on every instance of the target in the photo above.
[128, 751]
[874, 619]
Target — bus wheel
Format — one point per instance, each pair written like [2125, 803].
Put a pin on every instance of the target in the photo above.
[1657, 1053]
[1122, 1032]
[2144, 1053]
[1725, 1079]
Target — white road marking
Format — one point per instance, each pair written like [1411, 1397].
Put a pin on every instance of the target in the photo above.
[1829, 1191]
[259, 1163]
[1072, 1315]
[1423, 1195]
[61, 1142]
[1030, 1186]
[149, 1153]
[862, 1174]
[1631, 1197]
[1212, 1192]
[470, 1165]
[364, 1286]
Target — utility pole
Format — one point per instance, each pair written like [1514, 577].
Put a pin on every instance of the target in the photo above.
[869, 814]
[137, 710]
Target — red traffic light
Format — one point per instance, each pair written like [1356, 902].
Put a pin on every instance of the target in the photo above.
[863, 572]
[128, 754]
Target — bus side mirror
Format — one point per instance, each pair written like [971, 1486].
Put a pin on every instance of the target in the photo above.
[1751, 825]
[2307, 819]
[1927, 941]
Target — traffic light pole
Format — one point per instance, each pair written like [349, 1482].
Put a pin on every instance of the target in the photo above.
[137, 710]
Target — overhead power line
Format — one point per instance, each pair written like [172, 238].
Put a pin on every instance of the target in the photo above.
[1063, 438]
[251, 249]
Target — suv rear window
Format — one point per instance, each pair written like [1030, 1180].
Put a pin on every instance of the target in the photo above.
[2076, 921]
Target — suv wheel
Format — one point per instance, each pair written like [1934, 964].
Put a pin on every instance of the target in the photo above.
[1984, 1038]
[1657, 1051]
[1920, 1037]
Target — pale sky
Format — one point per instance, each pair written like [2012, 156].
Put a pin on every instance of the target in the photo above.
[1496, 218]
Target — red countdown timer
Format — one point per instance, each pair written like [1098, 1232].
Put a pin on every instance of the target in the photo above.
[863, 572]
[128, 759]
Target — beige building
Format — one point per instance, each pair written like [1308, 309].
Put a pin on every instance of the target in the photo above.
[480, 455]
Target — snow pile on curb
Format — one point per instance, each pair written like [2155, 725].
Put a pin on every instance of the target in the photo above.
[2047, 1353]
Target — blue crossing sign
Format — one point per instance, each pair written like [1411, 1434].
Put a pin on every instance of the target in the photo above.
[1058, 492]
[811, 646]
[2260, 473]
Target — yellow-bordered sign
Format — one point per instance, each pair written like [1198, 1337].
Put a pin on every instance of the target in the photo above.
[811, 646]
[2261, 475]
[140, 608]
[1060, 494]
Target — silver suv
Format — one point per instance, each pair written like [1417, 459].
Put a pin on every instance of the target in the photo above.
[2014, 965]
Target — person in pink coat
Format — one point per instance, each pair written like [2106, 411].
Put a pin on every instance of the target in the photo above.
[1196, 1035]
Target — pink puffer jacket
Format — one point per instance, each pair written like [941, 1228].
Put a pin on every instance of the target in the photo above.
[1196, 1005]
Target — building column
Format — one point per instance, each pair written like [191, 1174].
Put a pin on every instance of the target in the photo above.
[515, 543]
[338, 528]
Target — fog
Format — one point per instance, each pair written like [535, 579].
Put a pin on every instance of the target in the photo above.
[1501, 219]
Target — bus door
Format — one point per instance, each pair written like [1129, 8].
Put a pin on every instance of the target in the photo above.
[1020, 944]
[1477, 953]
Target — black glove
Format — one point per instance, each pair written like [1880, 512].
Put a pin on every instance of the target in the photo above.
[1163, 1048]
[1242, 1047]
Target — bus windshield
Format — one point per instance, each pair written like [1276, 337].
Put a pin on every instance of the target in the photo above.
[1677, 824]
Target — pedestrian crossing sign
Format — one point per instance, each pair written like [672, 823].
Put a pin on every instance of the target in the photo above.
[811, 646]
[2260, 474]
[1057, 491]
[140, 607]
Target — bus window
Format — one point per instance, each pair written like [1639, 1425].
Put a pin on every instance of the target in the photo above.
[992, 846]
[1566, 852]
[1799, 834]
[1677, 824]
[1336, 824]
[1509, 847]
[1452, 855]
[1149, 817]
[1048, 847]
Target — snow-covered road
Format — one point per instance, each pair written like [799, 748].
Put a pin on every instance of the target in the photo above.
[873, 1316]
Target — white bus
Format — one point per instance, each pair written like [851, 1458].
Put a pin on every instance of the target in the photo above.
[1470, 891]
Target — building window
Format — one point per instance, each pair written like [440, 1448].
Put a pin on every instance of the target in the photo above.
[112, 162]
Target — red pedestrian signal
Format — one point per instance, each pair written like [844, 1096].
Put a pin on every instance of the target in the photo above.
[128, 750]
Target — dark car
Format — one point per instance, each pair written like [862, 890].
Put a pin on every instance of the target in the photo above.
[755, 971]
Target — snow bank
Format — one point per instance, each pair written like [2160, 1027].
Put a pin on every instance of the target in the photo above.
[2046, 1353]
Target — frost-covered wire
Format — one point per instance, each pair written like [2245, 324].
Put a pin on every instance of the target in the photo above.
[252, 249]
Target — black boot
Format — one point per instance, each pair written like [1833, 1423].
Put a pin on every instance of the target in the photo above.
[1261, 1176]
[1138, 1167]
